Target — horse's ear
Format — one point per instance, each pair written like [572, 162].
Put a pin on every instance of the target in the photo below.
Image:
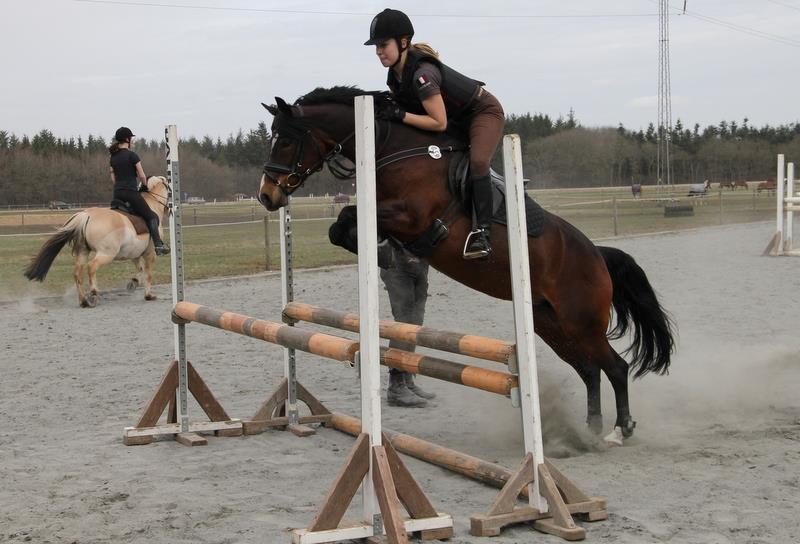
[272, 109]
[283, 106]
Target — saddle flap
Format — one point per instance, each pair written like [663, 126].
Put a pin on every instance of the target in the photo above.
[122, 207]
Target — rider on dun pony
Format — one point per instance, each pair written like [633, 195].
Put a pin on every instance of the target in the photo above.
[429, 95]
[101, 235]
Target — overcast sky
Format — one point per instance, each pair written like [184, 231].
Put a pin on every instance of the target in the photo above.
[81, 67]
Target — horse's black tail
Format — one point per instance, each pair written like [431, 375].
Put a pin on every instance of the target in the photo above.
[71, 231]
[637, 308]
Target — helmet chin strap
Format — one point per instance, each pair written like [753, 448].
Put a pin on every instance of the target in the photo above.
[401, 49]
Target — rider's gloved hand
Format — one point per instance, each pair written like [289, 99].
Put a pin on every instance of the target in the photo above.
[390, 112]
[143, 188]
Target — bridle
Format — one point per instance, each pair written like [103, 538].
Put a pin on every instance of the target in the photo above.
[299, 133]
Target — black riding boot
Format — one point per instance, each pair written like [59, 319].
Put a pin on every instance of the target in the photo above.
[478, 245]
[152, 226]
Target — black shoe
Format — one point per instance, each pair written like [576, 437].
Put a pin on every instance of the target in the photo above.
[162, 249]
[477, 245]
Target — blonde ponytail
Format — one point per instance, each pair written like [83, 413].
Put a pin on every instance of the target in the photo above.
[425, 49]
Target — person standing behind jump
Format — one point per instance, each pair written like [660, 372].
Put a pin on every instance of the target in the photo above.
[429, 95]
[407, 284]
[126, 170]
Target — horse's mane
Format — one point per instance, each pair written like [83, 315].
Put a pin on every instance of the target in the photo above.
[339, 94]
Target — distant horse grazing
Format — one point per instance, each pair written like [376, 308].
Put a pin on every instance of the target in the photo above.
[636, 190]
[106, 235]
[740, 185]
[574, 283]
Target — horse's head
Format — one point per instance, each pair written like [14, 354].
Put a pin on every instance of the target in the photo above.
[298, 150]
[158, 188]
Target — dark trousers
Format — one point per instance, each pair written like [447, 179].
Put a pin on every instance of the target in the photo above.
[140, 208]
[407, 285]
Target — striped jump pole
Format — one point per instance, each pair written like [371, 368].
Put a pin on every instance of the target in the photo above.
[324, 345]
[344, 350]
[480, 347]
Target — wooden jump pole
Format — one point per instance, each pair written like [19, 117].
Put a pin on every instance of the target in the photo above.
[479, 347]
[344, 350]
[324, 345]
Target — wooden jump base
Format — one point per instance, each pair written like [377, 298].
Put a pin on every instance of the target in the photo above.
[571, 500]
[480, 347]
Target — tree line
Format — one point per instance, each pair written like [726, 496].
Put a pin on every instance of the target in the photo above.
[557, 152]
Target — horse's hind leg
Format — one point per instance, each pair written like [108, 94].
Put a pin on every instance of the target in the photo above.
[149, 260]
[100, 259]
[77, 274]
[133, 283]
[548, 329]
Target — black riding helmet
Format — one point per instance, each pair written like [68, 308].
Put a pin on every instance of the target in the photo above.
[390, 23]
[122, 134]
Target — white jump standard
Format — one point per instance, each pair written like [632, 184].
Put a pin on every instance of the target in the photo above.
[788, 202]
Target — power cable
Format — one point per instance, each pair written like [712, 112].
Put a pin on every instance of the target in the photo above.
[313, 12]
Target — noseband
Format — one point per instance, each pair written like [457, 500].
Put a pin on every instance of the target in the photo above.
[300, 133]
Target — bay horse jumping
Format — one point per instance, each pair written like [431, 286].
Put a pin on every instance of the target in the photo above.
[575, 284]
[101, 235]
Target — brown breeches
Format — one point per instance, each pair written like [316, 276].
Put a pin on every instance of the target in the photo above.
[486, 123]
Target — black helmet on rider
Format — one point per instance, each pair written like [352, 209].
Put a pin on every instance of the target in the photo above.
[390, 23]
[122, 134]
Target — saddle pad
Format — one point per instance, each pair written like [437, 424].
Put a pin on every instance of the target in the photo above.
[457, 182]
[138, 222]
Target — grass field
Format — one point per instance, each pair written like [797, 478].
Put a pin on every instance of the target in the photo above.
[239, 249]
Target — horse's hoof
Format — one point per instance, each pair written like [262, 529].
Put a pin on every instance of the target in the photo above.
[595, 423]
[627, 427]
[150, 297]
[614, 438]
[133, 283]
[89, 302]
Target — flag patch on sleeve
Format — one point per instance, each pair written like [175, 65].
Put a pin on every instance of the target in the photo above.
[422, 80]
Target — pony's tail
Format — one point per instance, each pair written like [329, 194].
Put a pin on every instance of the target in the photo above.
[638, 309]
[69, 232]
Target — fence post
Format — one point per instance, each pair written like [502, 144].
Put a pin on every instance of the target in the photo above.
[194, 213]
[720, 204]
[267, 262]
[23, 222]
[616, 219]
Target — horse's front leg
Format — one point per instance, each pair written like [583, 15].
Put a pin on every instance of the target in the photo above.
[149, 260]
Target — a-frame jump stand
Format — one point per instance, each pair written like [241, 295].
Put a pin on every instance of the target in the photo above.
[166, 397]
[563, 499]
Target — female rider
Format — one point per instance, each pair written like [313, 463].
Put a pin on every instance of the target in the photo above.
[126, 168]
[429, 95]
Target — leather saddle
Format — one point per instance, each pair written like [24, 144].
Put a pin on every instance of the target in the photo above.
[458, 174]
[123, 207]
